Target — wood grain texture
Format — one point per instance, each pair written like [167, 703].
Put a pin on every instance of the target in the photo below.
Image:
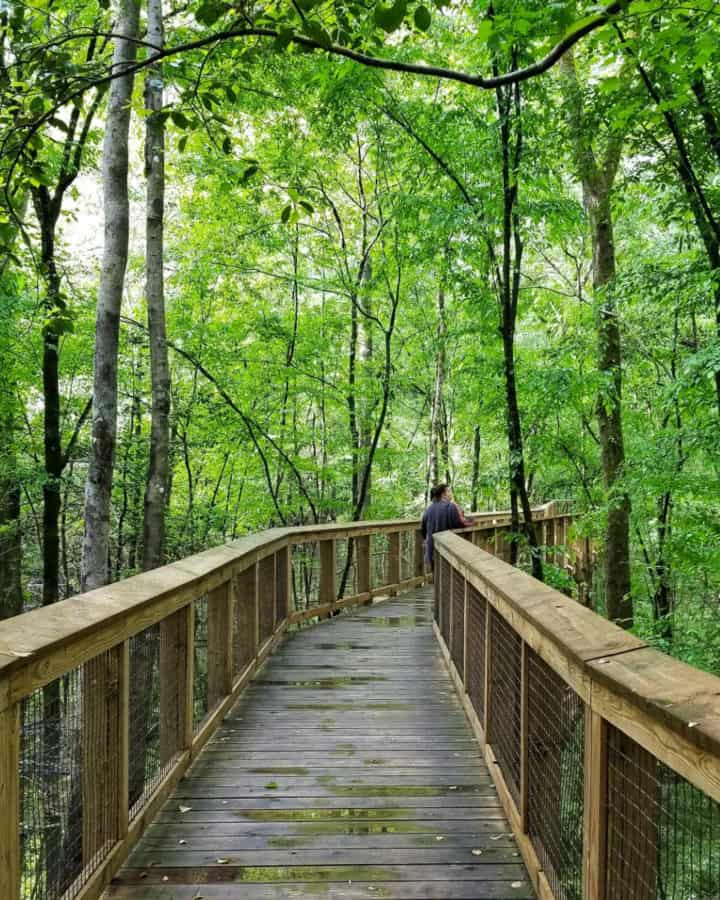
[360, 774]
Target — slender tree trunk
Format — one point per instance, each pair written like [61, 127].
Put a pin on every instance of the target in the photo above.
[597, 180]
[510, 116]
[11, 598]
[612, 446]
[157, 482]
[475, 486]
[438, 447]
[98, 486]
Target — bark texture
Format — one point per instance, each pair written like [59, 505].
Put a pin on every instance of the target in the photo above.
[157, 482]
[597, 178]
[98, 486]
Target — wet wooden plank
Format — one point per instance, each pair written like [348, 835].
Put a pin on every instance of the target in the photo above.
[389, 890]
[346, 770]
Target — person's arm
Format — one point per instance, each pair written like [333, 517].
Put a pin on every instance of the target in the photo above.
[455, 517]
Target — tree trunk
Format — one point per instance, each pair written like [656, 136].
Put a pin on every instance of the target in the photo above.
[612, 447]
[597, 180]
[98, 486]
[11, 598]
[157, 482]
[438, 446]
[475, 486]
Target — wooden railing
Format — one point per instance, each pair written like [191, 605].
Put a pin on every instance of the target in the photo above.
[605, 752]
[105, 698]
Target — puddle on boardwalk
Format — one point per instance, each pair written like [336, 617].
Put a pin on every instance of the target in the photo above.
[368, 707]
[306, 830]
[325, 684]
[397, 621]
[344, 645]
[345, 813]
[392, 790]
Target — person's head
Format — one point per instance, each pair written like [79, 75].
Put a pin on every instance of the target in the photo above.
[440, 492]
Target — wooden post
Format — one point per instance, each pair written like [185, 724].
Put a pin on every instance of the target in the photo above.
[419, 565]
[328, 588]
[524, 745]
[394, 559]
[123, 796]
[245, 624]
[283, 587]
[448, 598]
[465, 637]
[10, 802]
[101, 745]
[595, 807]
[177, 644]
[220, 636]
[362, 549]
[488, 673]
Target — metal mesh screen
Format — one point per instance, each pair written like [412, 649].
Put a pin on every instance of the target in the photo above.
[346, 577]
[200, 671]
[663, 834]
[556, 732]
[504, 725]
[457, 638]
[244, 624]
[281, 586]
[69, 757]
[407, 555]
[379, 553]
[445, 572]
[144, 737]
[266, 589]
[475, 668]
[305, 575]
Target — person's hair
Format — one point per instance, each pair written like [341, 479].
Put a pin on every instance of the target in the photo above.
[437, 491]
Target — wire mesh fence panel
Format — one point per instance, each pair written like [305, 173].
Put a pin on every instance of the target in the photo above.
[556, 733]
[346, 576]
[475, 666]
[281, 586]
[145, 765]
[379, 559]
[69, 748]
[663, 834]
[407, 555]
[444, 598]
[504, 725]
[244, 620]
[305, 575]
[457, 638]
[266, 596]
[200, 670]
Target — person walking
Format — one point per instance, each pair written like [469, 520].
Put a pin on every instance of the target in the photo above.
[441, 515]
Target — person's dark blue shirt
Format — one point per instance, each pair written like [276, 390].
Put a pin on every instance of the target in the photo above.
[441, 515]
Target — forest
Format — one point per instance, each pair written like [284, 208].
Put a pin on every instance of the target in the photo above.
[293, 262]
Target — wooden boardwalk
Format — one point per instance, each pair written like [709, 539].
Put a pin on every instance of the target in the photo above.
[346, 770]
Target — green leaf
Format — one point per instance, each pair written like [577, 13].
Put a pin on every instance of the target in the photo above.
[180, 119]
[484, 30]
[422, 18]
[318, 34]
[308, 207]
[284, 37]
[182, 143]
[390, 18]
[285, 214]
[210, 11]
[249, 172]
[227, 144]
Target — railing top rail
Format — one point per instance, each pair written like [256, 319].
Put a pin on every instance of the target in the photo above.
[75, 629]
[671, 708]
